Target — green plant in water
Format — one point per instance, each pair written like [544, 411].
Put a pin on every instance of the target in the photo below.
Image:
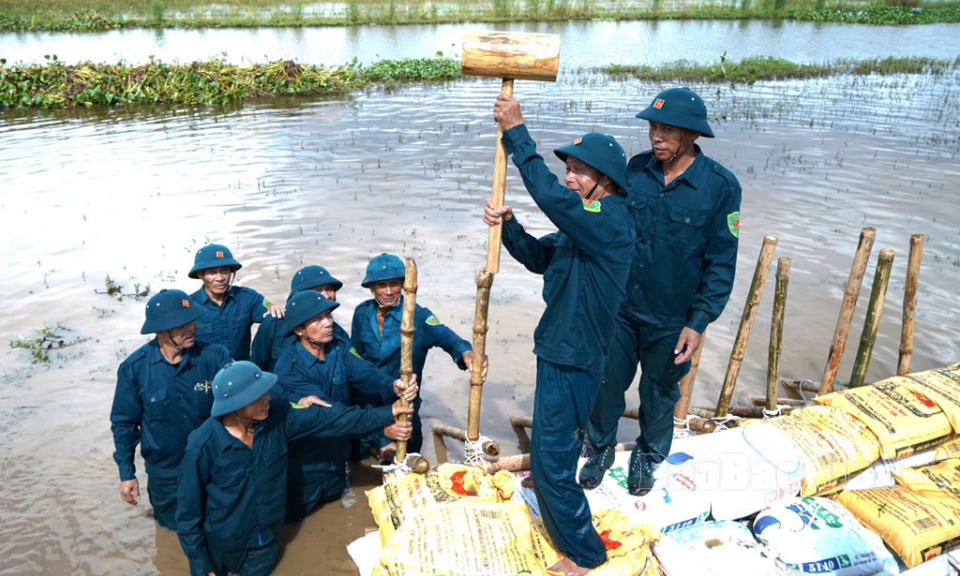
[353, 12]
[46, 339]
[157, 9]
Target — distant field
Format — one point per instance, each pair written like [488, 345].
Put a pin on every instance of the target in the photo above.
[92, 15]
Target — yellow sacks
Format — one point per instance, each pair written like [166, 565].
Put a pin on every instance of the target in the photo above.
[903, 420]
[917, 526]
[410, 495]
[942, 386]
[940, 477]
[463, 539]
[833, 445]
[949, 450]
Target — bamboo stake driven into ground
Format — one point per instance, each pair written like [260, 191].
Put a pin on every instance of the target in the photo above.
[686, 385]
[484, 281]
[776, 333]
[406, 340]
[850, 295]
[746, 324]
[910, 304]
[874, 310]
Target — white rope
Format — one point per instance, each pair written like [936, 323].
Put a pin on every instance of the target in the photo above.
[395, 466]
[473, 451]
[800, 389]
[722, 421]
[678, 432]
[771, 413]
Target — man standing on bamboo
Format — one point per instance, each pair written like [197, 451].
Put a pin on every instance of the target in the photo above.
[686, 211]
[585, 267]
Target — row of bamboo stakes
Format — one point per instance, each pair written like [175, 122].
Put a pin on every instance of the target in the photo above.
[703, 419]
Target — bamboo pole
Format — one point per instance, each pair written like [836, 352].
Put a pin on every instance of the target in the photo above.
[484, 281]
[495, 233]
[850, 295]
[910, 304]
[776, 332]
[686, 385]
[521, 421]
[805, 386]
[406, 340]
[758, 400]
[746, 324]
[490, 448]
[738, 411]
[520, 462]
[874, 310]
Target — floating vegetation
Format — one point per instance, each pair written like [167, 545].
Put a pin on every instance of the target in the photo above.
[116, 291]
[756, 68]
[94, 15]
[57, 85]
[47, 339]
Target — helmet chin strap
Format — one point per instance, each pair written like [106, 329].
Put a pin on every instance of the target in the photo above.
[592, 190]
[180, 348]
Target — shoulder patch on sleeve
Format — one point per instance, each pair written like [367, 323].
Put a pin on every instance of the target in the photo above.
[296, 406]
[733, 223]
[266, 303]
[355, 353]
[591, 206]
[432, 320]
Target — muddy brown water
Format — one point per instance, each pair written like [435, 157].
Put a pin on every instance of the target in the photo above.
[132, 193]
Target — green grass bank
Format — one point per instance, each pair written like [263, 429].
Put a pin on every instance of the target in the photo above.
[56, 85]
[98, 15]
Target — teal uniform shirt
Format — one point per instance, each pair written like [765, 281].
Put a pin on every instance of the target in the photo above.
[270, 343]
[301, 374]
[230, 323]
[231, 496]
[687, 238]
[584, 265]
[157, 405]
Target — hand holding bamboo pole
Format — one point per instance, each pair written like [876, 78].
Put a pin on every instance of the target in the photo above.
[406, 340]
[776, 333]
[910, 304]
[850, 295]
[874, 310]
[746, 324]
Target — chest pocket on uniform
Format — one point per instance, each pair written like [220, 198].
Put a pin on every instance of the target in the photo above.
[155, 404]
[686, 227]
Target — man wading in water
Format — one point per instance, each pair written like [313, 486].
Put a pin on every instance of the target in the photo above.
[686, 211]
[584, 267]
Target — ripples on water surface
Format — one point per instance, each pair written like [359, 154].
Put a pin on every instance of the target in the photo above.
[288, 182]
[636, 42]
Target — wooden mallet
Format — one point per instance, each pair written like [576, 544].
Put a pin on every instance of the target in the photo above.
[509, 56]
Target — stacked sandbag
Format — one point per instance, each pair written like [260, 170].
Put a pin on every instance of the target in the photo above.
[881, 473]
[920, 517]
[833, 445]
[673, 502]
[744, 469]
[818, 536]
[942, 386]
[715, 549]
[904, 421]
[628, 545]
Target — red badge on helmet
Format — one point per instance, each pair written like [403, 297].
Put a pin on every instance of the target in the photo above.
[658, 103]
[219, 254]
[186, 303]
[577, 141]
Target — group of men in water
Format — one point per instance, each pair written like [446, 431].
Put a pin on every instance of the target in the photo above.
[643, 260]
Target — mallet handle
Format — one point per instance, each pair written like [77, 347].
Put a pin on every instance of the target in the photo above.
[499, 184]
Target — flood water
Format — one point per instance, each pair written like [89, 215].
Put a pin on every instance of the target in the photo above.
[132, 193]
[585, 44]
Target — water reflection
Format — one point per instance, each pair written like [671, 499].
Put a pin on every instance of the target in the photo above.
[585, 43]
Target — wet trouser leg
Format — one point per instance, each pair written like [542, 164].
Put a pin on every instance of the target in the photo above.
[163, 497]
[307, 489]
[621, 367]
[659, 390]
[563, 401]
[248, 562]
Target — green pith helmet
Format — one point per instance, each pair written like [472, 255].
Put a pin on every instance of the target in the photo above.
[311, 277]
[239, 384]
[600, 151]
[304, 306]
[383, 267]
[213, 256]
[680, 107]
[169, 309]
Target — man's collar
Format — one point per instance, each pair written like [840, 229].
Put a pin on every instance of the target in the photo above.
[306, 356]
[693, 175]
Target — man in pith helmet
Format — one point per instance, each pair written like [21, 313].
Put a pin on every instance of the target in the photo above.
[322, 366]
[375, 335]
[271, 341]
[686, 211]
[584, 267]
[162, 394]
[233, 477]
[231, 310]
